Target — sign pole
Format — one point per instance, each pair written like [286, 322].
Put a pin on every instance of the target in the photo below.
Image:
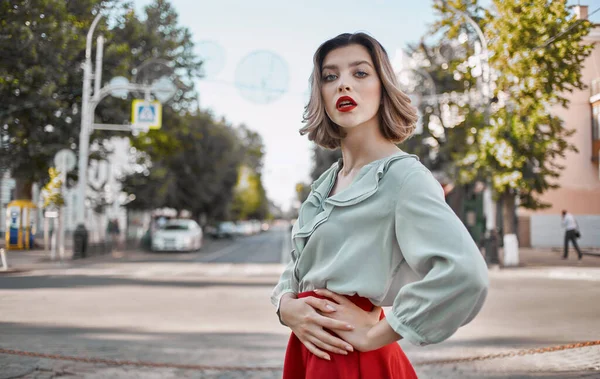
[46, 235]
[61, 211]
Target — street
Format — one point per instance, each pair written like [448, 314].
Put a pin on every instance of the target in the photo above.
[211, 309]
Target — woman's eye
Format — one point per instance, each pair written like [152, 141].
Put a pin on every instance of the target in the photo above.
[361, 74]
[329, 78]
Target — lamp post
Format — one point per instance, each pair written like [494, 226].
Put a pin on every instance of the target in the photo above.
[80, 234]
[491, 241]
[162, 89]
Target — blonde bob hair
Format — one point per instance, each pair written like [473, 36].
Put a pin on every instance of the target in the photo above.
[396, 116]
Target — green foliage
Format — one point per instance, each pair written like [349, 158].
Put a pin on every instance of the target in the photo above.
[519, 146]
[191, 163]
[250, 199]
[249, 196]
[42, 44]
[143, 49]
[186, 166]
[441, 136]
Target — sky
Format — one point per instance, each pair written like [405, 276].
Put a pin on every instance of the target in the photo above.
[235, 35]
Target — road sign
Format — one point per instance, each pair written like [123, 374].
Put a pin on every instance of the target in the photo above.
[163, 89]
[146, 114]
[64, 160]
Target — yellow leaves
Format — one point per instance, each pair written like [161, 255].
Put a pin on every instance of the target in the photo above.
[505, 181]
[52, 191]
[248, 197]
[503, 153]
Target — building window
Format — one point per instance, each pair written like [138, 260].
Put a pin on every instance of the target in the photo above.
[595, 131]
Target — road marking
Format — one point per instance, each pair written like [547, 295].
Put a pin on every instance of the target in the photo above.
[562, 273]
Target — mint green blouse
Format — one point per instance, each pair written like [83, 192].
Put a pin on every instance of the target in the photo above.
[389, 237]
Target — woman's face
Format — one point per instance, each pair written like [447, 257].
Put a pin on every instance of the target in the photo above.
[350, 86]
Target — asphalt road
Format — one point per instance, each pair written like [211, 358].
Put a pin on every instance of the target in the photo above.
[265, 247]
[211, 308]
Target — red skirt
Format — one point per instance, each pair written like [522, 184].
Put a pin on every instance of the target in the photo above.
[388, 362]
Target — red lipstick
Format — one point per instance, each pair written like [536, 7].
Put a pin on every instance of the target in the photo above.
[345, 104]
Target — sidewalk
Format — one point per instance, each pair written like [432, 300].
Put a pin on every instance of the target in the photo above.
[528, 257]
[38, 259]
[551, 257]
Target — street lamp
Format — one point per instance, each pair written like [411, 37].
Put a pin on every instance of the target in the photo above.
[491, 243]
[80, 234]
[162, 89]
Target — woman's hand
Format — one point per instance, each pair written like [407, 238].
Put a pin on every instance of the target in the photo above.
[308, 325]
[349, 313]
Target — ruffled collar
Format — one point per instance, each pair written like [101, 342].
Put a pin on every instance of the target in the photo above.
[318, 206]
[363, 186]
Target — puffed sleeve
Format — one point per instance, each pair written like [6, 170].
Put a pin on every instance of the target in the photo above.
[437, 246]
[288, 282]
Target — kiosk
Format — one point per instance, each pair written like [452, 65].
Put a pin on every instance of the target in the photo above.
[20, 224]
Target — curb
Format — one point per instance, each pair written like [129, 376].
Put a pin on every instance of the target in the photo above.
[12, 271]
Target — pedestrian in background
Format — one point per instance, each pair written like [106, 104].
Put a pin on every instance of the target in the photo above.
[113, 231]
[571, 233]
[374, 231]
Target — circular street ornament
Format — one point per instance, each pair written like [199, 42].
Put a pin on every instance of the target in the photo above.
[262, 77]
[212, 56]
[65, 160]
[163, 89]
[119, 81]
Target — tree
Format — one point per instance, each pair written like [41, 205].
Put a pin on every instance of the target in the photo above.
[323, 159]
[42, 44]
[250, 199]
[536, 55]
[183, 167]
[41, 76]
[440, 94]
[145, 49]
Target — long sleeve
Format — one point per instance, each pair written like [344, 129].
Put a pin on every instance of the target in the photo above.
[288, 282]
[435, 244]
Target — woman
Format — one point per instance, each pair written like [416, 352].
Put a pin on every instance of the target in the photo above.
[374, 231]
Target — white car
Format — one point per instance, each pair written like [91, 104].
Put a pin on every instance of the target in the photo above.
[178, 235]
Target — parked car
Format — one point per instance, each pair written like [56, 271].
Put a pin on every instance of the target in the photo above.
[244, 228]
[178, 235]
[225, 229]
[265, 227]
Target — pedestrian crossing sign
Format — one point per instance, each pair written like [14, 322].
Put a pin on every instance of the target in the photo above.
[146, 114]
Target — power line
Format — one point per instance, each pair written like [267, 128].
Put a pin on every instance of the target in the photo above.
[552, 39]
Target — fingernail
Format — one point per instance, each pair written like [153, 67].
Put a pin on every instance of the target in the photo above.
[330, 307]
[350, 326]
[327, 357]
[316, 291]
[349, 348]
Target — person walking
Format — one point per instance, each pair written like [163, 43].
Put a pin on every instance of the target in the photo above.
[374, 231]
[571, 233]
[113, 231]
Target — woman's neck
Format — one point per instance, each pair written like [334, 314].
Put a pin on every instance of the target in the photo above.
[363, 145]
